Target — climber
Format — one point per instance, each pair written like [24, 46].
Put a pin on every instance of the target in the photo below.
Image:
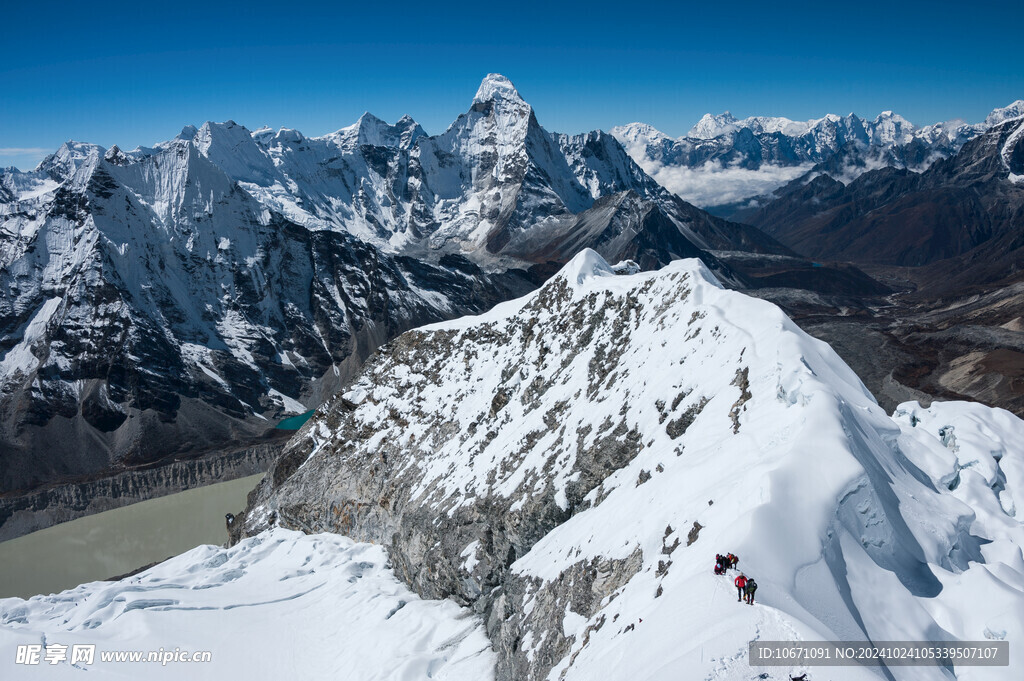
[741, 583]
[749, 590]
[731, 560]
[719, 566]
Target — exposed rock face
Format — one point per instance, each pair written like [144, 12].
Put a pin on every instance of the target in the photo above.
[551, 464]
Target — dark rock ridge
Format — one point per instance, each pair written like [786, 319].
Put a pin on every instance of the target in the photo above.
[21, 515]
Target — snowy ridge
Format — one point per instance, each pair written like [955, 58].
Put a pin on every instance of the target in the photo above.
[370, 130]
[396, 187]
[326, 606]
[1014, 110]
[495, 184]
[1010, 148]
[590, 447]
[496, 87]
[708, 127]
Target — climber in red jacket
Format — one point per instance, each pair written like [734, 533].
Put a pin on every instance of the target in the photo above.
[741, 583]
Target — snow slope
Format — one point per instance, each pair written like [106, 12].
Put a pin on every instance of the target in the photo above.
[574, 459]
[283, 605]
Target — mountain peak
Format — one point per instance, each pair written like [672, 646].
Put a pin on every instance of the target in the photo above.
[496, 87]
[1013, 110]
[289, 136]
[711, 126]
[376, 132]
[636, 129]
[71, 156]
[368, 117]
[890, 115]
[116, 156]
[230, 136]
[585, 265]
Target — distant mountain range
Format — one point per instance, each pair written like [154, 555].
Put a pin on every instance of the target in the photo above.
[949, 240]
[166, 301]
[172, 301]
[723, 160]
[965, 211]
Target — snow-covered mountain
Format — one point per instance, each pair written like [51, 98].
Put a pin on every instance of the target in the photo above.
[495, 184]
[170, 300]
[962, 216]
[151, 306]
[568, 464]
[564, 468]
[723, 159]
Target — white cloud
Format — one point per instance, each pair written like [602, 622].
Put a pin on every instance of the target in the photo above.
[851, 171]
[714, 184]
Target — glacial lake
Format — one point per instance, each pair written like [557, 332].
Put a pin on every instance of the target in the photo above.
[121, 540]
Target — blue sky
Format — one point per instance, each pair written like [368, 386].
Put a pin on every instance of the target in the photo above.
[135, 73]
